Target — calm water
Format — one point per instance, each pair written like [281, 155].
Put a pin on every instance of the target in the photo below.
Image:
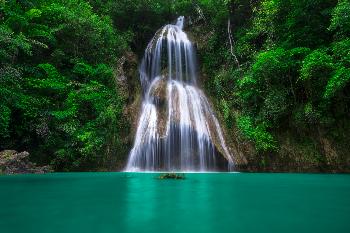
[131, 203]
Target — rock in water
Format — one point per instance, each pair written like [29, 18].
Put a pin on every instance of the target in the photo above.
[172, 176]
[12, 162]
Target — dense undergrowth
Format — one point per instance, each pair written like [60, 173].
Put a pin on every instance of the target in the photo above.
[273, 68]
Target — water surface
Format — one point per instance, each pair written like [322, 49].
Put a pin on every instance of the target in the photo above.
[137, 202]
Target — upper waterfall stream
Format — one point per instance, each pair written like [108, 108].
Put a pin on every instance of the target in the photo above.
[177, 129]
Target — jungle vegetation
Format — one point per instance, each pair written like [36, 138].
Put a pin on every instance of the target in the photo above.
[270, 66]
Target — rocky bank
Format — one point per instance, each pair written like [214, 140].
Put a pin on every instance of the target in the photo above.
[13, 162]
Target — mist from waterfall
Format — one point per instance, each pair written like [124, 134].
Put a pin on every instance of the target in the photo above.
[177, 129]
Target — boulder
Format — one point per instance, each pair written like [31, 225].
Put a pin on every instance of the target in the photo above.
[12, 162]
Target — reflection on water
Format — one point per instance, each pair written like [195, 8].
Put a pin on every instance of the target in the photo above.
[136, 202]
[165, 204]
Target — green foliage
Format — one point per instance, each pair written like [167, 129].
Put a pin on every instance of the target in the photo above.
[59, 98]
[341, 52]
[307, 114]
[337, 82]
[316, 65]
[269, 66]
[5, 114]
[139, 19]
[276, 105]
[340, 21]
[12, 44]
[292, 23]
[263, 140]
[294, 66]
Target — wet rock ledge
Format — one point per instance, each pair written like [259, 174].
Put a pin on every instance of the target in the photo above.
[12, 162]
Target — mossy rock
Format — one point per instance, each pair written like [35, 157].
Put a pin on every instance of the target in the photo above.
[172, 176]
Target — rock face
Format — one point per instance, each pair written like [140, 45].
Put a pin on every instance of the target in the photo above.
[12, 162]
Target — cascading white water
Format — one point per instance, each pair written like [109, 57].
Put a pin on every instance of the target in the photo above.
[177, 129]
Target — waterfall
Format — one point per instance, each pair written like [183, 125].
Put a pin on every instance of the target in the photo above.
[177, 129]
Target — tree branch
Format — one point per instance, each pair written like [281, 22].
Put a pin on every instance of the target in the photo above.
[231, 42]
